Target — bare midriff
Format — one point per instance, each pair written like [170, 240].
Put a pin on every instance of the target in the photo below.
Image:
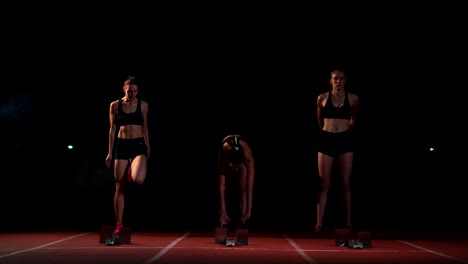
[130, 131]
[333, 125]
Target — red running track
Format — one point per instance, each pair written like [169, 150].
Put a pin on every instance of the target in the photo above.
[192, 247]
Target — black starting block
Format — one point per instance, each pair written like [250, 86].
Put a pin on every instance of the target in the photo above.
[365, 239]
[107, 236]
[341, 237]
[242, 236]
[221, 234]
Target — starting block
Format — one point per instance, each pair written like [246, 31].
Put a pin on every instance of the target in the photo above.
[341, 237]
[365, 239]
[242, 236]
[107, 236]
[221, 234]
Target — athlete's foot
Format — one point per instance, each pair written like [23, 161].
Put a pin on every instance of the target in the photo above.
[318, 228]
[117, 229]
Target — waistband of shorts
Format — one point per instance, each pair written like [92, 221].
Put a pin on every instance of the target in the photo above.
[138, 139]
[337, 133]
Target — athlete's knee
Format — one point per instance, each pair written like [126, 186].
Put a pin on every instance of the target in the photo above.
[121, 187]
[139, 175]
[324, 185]
[139, 181]
[346, 187]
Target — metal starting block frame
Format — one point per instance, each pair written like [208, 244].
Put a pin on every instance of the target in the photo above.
[242, 236]
[341, 237]
[365, 238]
[221, 235]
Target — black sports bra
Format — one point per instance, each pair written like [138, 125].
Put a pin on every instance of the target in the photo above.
[342, 112]
[122, 118]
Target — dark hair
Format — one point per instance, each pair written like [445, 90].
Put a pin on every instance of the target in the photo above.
[130, 81]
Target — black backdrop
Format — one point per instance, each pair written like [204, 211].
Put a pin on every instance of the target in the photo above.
[204, 77]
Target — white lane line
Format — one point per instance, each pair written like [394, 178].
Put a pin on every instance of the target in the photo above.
[41, 246]
[165, 249]
[433, 252]
[300, 251]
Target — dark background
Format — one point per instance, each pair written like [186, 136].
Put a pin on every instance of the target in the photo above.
[209, 71]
